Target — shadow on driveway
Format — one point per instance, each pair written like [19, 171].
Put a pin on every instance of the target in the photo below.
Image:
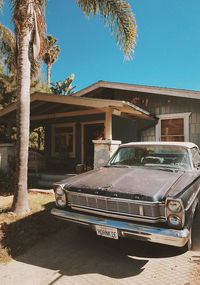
[75, 251]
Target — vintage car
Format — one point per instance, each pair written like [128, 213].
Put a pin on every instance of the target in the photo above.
[148, 191]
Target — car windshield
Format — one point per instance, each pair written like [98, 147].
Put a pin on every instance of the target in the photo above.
[157, 156]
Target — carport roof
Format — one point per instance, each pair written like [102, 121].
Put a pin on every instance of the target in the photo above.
[49, 106]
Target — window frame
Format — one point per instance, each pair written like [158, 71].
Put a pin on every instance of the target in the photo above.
[54, 126]
[186, 122]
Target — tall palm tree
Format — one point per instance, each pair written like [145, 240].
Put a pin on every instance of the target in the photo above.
[29, 23]
[51, 51]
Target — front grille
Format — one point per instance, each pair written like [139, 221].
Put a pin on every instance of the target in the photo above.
[115, 205]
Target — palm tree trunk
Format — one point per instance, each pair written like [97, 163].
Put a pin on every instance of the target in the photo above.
[48, 74]
[20, 201]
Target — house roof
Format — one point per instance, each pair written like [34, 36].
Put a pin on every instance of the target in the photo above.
[96, 87]
[49, 106]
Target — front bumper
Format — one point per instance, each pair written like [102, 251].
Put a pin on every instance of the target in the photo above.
[127, 229]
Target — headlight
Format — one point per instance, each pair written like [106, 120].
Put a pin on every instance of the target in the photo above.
[60, 196]
[175, 213]
[174, 220]
[174, 206]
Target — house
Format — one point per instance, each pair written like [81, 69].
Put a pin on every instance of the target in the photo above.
[87, 127]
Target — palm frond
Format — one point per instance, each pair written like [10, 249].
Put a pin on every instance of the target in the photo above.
[24, 15]
[119, 18]
[7, 48]
[51, 50]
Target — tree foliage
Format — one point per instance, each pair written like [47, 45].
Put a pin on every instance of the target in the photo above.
[7, 49]
[119, 18]
[51, 51]
[63, 88]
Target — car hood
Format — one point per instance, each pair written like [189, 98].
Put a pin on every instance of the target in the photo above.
[134, 183]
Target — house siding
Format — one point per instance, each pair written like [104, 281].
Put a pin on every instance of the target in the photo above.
[124, 129]
[171, 105]
[157, 104]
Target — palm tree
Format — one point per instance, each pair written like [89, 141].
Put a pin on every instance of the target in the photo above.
[29, 23]
[51, 51]
[7, 49]
[65, 87]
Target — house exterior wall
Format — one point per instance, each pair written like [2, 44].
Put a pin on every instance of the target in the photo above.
[71, 162]
[124, 129]
[7, 156]
[161, 105]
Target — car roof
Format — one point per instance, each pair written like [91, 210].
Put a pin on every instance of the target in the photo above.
[181, 144]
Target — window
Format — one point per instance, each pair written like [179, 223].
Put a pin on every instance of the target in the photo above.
[63, 140]
[172, 130]
[173, 127]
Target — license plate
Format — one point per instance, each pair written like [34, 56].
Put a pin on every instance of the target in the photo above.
[106, 232]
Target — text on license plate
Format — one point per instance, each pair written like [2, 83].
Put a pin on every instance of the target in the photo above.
[106, 232]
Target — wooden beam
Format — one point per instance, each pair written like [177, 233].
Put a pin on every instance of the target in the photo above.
[37, 104]
[66, 114]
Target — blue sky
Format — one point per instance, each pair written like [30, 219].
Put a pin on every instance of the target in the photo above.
[167, 52]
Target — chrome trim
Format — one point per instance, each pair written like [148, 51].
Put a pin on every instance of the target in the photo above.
[95, 204]
[119, 216]
[141, 210]
[118, 199]
[143, 232]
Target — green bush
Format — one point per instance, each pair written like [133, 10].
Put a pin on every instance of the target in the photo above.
[7, 182]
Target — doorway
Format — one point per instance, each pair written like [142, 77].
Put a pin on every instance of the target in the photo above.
[91, 132]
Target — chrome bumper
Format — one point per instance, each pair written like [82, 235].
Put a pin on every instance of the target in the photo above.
[127, 229]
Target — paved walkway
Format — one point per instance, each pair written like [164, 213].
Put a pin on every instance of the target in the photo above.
[77, 256]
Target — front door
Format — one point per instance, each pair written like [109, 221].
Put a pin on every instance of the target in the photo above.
[91, 132]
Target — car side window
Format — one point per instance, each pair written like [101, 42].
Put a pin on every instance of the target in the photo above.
[195, 157]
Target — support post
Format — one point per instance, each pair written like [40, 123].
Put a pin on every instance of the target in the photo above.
[108, 125]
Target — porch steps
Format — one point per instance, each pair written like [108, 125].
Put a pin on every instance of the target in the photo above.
[46, 180]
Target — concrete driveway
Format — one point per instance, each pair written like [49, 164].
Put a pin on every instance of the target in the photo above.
[78, 256]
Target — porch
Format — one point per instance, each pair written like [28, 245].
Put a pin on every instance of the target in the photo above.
[75, 128]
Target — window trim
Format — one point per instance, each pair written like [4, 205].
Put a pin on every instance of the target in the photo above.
[184, 116]
[54, 126]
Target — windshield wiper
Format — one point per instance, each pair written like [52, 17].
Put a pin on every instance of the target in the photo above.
[119, 165]
[166, 169]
